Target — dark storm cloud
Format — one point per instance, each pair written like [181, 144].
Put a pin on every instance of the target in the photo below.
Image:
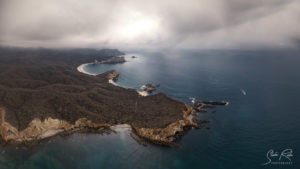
[239, 11]
[138, 23]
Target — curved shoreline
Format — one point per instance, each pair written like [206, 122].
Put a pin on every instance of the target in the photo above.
[81, 70]
[38, 130]
[65, 101]
[111, 81]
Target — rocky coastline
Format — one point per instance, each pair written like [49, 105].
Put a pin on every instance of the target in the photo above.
[38, 130]
[42, 94]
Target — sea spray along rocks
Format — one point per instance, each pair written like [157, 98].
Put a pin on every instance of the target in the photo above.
[149, 88]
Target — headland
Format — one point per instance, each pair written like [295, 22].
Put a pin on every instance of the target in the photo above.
[42, 94]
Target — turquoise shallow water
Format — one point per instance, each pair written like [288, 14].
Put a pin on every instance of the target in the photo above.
[240, 134]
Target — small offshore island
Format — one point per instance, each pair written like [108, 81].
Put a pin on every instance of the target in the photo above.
[42, 94]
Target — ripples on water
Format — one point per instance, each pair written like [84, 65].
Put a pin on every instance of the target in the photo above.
[265, 117]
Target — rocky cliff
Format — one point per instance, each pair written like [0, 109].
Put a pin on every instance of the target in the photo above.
[167, 135]
[43, 94]
[38, 129]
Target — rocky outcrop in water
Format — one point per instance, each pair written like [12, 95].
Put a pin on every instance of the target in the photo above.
[149, 88]
[201, 106]
[213, 103]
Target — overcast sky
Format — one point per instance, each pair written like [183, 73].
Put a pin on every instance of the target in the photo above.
[203, 24]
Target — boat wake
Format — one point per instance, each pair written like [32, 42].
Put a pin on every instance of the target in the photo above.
[244, 92]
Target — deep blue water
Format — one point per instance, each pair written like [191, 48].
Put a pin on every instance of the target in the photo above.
[240, 134]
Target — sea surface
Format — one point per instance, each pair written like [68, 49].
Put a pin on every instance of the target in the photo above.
[263, 90]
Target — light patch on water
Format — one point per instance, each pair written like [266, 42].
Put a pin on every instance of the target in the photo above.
[193, 99]
[243, 92]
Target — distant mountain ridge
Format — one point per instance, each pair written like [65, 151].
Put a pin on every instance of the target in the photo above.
[62, 57]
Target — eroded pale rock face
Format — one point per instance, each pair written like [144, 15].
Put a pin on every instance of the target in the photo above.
[38, 129]
[165, 136]
[112, 75]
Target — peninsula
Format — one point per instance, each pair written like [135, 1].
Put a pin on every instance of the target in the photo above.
[42, 94]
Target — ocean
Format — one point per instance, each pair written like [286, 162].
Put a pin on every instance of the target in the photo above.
[263, 91]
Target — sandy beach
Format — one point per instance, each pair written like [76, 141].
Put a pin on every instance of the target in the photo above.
[121, 127]
[80, 69]
[115, 84]
[143, 93]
